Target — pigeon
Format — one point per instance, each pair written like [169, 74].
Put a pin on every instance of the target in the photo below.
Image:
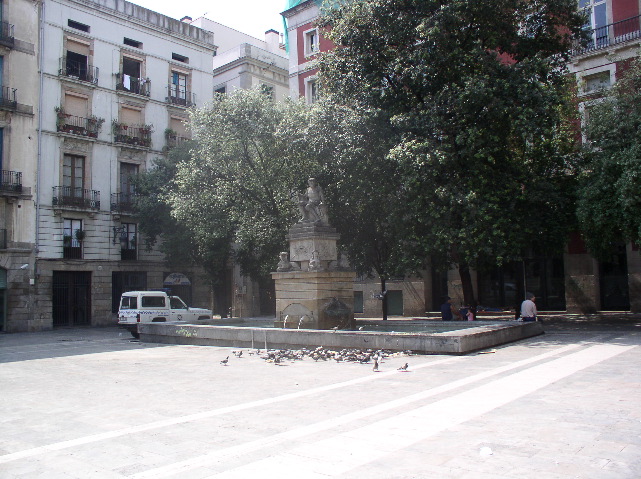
[225, 361]
[404, 368]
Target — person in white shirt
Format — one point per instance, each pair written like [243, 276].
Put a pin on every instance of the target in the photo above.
[528, 308]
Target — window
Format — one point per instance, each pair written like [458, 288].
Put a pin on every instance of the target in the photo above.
[222, 90]
[178, 93]
[73, 176]
[128, 242]
[267, 90]
[179, 58]
[597, 21]
[596, 82]
[311, 42]
[76, 61]
[152, 301]
[78, 26]
[128, 173]
[132, 43]
[311, 90]
[358, 301]
[129, 302]
[72, 236]
[131, 79]
[176, 303]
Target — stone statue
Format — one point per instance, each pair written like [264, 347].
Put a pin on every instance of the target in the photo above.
[314, 262]
[312, 204]
[285, 265]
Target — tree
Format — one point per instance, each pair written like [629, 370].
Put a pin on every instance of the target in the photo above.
[180, 245]
[352, 144]
[609, 205]
[234, 192]
[478, 91]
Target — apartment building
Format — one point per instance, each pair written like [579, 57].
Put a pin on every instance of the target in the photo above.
[244, 62]
[615, 39]
[117, 81]
[18, 152]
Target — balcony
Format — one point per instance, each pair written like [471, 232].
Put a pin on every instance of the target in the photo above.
[133, 135]
[78, 125]
[137, 86]
[174, 140]
[10, 181]
[8, 98]
[67, 196]
[6, 34]
[178, 95]
[123, 203]
[78, 71]
[612, 34]
[3, 239]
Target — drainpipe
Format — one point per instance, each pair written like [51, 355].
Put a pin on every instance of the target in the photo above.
[39, 159]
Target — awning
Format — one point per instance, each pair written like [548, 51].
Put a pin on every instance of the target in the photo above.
[176, 279]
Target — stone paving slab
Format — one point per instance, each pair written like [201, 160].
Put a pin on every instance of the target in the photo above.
[92, 403]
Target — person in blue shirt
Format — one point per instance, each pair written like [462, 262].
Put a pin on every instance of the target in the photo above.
[448, 311]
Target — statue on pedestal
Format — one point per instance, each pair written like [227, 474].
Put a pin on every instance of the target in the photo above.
[312, 204]
[285, 265]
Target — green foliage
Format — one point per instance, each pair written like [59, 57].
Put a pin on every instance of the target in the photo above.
[234, 193]
[609, 206]
[477, 94]
[180, 245]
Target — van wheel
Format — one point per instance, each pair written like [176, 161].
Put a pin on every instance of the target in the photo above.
[135, 334]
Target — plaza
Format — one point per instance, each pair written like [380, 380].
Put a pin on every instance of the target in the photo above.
[93, 403]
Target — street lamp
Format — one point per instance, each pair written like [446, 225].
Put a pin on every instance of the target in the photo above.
[120, 234]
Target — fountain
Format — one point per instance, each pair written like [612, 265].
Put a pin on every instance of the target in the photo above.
[314, 305]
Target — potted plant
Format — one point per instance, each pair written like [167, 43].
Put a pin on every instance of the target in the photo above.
[61, 117]
[66, 240]
[94, 124]
[80, 235]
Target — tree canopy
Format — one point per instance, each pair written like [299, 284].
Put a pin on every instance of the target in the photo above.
[234, 193]
[609, 206]
[477, 94]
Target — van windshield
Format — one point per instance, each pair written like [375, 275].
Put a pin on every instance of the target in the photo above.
[129, 302]
[153, 302]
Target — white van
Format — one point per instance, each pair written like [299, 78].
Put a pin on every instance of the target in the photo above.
[155, 307]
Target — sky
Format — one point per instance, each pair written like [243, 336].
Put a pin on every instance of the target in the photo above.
[253, 17]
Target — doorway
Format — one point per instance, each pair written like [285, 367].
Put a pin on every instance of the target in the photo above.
[71, 298]
[613, 275]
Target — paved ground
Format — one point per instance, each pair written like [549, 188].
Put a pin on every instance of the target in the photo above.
[92, 403]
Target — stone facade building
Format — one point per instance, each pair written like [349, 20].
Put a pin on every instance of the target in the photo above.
[18, 152]
[115, 85]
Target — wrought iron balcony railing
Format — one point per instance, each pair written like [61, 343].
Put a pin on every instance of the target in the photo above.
[6, 34]
[178, 95]
[8, 98]
[612, 34]
[11, 181]
[75, 197]
[3, 239]
[122, 202]
[175, 140]
[139, 86]
[78, 125]
[78, 70]
[135, 135]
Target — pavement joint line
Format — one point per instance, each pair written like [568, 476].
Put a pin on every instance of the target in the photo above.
[252, 446]
[408, 428]
[239, 407]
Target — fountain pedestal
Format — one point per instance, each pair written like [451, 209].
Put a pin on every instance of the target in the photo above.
[314, 290]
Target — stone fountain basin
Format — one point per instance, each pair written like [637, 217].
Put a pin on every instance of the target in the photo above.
[481, 335]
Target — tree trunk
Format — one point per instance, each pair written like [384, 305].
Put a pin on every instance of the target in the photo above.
[384, 300]
[466, 283]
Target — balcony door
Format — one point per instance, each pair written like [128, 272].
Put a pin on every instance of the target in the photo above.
[128, 172]
[179, 86]
[596, 11]
[73, 176]
[77, 63]
[131, 75]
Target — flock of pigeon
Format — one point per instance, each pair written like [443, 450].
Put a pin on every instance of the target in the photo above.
[363, 356]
